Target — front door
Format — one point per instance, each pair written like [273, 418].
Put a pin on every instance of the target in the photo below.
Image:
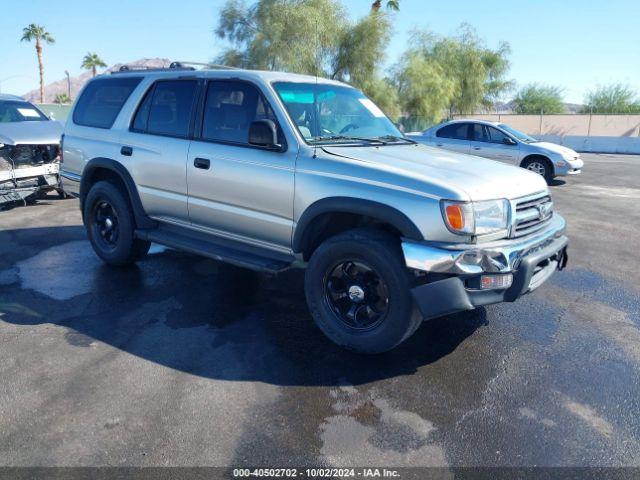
[489, 142]
[235, 189]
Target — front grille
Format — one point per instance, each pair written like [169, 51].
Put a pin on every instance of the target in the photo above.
[531, 214]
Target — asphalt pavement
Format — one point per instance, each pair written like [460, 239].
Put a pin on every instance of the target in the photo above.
[183, 361]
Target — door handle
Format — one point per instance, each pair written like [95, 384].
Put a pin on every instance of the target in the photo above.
[126, 151]
[439, 144]
[203, 163]
[477, 148]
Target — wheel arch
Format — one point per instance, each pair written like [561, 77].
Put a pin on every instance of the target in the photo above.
[101, 168]
[329, 216]
[533, 156]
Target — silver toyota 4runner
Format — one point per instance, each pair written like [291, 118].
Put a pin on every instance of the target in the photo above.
[268, 170]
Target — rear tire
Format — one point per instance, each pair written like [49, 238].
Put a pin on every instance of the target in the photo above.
[540, 165]
[110, 224]
[358, 289]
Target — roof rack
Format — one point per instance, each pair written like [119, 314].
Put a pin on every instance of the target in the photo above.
[172, 66]
[127, 68]
[198, 64]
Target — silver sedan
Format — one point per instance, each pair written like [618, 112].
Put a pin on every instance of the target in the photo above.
[501, 142]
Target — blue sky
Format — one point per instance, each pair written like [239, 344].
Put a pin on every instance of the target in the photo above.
[572, 43]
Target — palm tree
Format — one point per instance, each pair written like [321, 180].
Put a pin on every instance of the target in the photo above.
[391, 5]
[62, 98]
[39, 34]
[91, 61]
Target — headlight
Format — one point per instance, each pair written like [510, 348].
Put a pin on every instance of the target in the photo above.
[476, 218]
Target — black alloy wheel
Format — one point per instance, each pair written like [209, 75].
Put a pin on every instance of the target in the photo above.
[357, 295]
[105, 219]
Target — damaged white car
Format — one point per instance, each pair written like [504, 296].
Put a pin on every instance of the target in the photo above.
[29, 151]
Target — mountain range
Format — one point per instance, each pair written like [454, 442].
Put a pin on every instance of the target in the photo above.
[75, 84]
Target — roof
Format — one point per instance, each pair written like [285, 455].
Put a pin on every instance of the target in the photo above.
[474, 120]
[265, 76]
[6, 96]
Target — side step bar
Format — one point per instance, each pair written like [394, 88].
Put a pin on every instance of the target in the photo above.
[222, 249]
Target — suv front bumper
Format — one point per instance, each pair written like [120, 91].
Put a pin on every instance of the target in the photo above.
[458, 268]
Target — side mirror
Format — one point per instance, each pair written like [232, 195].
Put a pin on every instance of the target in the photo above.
[263, 133]
[509, 141]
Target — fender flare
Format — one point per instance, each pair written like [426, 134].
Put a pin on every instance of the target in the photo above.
[356, 206]
[141, 218]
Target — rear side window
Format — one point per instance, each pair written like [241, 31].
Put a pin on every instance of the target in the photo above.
[230, 108]
[102, 100]
[167, 108]
[456, 131]
[479, 132]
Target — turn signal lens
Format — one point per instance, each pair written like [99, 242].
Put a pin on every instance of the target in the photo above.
[458, 216]
[455, 217]
[496, 282]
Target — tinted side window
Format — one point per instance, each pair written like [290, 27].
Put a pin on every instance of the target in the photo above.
[170, 108]
[456, 131]
[142, 115]
[479, 132]
[230, 108]
[102, 100]
[496, 136]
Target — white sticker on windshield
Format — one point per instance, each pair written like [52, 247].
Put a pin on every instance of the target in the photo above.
[372, 107]
[29, 112]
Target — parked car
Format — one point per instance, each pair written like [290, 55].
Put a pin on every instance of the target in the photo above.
[29, 146]
[266, 170]
[499, 141]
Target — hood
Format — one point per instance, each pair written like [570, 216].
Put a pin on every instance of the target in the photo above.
[38, 133]
[555, 148]
[473, 177]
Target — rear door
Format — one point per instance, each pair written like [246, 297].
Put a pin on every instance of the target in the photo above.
[236, 189]
[155, 147]
[454, 137]
[489, 142]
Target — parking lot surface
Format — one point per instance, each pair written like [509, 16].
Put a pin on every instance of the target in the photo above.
[184, 361]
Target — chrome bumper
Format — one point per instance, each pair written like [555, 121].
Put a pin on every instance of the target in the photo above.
[503, 256]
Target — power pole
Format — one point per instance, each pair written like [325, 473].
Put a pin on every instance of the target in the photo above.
[66, 72]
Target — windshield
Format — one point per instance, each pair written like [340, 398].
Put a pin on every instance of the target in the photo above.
[17, 111]
[518, 134]
[334, 114]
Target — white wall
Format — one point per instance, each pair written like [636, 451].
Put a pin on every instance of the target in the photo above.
[583, 133]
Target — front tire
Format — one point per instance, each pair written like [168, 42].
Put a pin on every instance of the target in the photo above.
[110, 224]
[541, 166]
[359, 291]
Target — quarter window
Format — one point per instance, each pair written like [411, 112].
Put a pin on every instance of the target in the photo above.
[229, 110]
[102, 100]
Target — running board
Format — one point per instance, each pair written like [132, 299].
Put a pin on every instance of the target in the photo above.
[218, 248]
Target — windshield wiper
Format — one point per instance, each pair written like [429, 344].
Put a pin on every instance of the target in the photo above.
[394, 138]
[347, 137]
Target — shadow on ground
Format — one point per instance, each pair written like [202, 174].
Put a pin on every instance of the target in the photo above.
[199, 316]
